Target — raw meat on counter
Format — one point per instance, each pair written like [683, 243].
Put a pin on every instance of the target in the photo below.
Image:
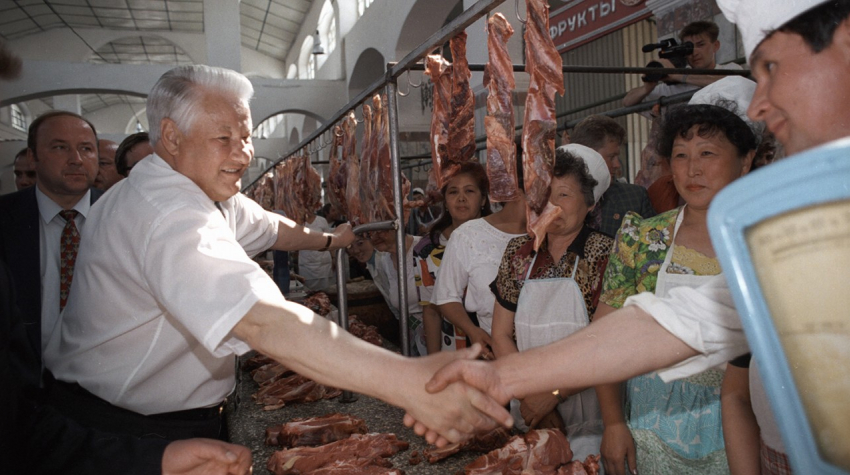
[357, 453]
[294, 388]
[364, 332]
[256, 361]
[485, 442]
[269, 373]
[590, 466]
[499, 122]
[540, 451]
[544, 66]
[313, 431]
[318, 302]
[343, 468]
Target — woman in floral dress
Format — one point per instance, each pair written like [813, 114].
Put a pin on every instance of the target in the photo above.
[675, 427]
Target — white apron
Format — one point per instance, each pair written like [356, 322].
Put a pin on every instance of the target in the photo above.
[665, 282]
[549, 310]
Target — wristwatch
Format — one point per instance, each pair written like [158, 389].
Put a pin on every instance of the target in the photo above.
[327, 244]
[557, 394]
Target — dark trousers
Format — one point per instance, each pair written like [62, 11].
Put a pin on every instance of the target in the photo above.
[77, 403]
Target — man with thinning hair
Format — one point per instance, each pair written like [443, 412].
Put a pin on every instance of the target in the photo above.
[35, 221]
[606, 136]
[167, 294]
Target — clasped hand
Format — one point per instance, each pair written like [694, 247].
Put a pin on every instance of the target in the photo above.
[459, 374]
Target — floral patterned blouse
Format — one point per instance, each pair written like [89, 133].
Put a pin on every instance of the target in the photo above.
[639, 251]
[592, 248]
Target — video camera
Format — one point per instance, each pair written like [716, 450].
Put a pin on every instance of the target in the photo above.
[670, 49]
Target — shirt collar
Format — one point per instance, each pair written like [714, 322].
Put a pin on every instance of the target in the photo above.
[48, 209]
[577, 246]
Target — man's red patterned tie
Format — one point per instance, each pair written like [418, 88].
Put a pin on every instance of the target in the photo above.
[68, 247]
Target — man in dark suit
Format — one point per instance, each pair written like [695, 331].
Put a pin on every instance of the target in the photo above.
[63, 146]
[606, 136]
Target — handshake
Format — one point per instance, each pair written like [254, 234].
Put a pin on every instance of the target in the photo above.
[457, 396]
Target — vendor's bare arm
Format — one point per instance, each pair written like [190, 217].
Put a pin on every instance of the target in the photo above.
[321, 350]
[295, 237]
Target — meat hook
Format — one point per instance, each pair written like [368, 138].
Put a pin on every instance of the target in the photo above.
[517, 13]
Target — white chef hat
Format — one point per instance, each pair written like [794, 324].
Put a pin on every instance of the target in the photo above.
[736, 90]
[595, 165]
[758, 18]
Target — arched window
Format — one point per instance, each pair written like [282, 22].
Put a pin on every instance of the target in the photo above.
[362, 5]
[19, 120]
[292, 73]
[332, 35]
[306, 61]
[327, 27]
[311, 66]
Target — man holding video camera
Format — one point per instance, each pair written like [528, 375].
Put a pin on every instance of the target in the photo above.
[703, 35]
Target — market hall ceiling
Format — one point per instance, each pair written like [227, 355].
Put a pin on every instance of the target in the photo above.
[267, 26]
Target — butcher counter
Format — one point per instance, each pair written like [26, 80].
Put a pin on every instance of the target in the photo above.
[247, 423]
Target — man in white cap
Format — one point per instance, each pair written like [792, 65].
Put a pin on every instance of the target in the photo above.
[797, 52]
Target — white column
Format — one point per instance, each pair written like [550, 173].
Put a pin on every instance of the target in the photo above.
[223, 34]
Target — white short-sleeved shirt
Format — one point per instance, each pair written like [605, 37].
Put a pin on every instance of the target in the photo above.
[470, 263]
[704, 318]
[162, 277]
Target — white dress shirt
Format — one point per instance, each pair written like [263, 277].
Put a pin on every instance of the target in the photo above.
[50, 226]
[163, 275]
[704, 318]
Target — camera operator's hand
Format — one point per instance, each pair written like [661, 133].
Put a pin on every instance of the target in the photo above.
[670, 78]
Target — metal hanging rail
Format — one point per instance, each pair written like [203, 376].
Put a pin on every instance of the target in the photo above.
[394, 70]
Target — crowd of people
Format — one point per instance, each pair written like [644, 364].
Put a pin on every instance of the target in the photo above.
[619, 329]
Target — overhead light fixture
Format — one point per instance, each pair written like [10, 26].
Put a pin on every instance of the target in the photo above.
[317, 44]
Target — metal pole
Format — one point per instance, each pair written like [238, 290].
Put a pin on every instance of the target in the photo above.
[342, 307]
[342, 290]
[404, 315]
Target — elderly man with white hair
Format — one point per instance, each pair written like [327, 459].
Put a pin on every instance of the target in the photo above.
[166, 294]
[798, 54]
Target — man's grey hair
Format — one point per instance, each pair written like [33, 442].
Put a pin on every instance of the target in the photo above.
[176, 95]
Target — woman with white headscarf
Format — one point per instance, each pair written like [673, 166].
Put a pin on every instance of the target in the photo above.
[547, 295]
[675, 427]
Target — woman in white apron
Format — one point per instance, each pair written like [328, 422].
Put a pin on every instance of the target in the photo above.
[675, 427]
[544, 296]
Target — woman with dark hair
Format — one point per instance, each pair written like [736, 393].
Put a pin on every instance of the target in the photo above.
[470, 262]
[673, 427]
[547, 295]
[466, 198]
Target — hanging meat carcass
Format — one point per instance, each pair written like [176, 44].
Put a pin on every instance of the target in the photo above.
[383, 180]
[500, 123]
[462, 119]
[263, 192]
[440, 72]
[337, 174]
[367, 193]
[544, 66]
[352, 161]
[309, 185]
